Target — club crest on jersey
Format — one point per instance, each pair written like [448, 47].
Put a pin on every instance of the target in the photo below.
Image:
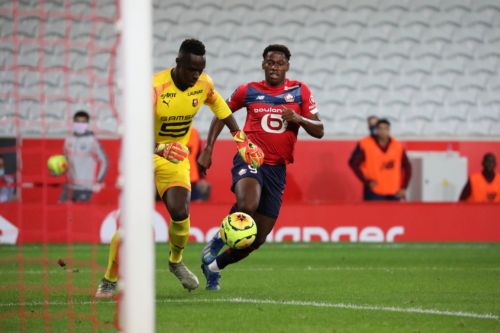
[195, 102]
[289, 98]
[242, 172]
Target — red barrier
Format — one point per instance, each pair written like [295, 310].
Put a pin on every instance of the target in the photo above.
[382, 222]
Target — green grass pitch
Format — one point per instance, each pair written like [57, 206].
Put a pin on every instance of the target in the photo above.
[293, 287]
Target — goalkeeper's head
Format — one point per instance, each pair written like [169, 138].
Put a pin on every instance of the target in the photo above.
[190, 63]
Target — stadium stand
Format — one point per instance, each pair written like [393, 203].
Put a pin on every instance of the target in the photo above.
[430, 66]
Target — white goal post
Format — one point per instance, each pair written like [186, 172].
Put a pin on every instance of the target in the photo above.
[137, 257]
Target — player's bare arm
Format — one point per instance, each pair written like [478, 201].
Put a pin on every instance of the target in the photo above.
[311, 124]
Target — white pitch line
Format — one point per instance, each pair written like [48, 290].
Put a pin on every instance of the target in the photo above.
[334, 268]
[298, 303]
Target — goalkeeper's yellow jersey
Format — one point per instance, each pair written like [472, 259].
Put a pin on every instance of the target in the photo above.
[174, 109]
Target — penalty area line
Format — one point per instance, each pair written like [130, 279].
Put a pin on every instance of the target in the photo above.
[293, 303]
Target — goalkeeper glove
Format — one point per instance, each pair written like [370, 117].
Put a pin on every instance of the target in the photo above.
[249, 152]
[174, 152]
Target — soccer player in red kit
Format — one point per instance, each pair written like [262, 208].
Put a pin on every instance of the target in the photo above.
[276, 109]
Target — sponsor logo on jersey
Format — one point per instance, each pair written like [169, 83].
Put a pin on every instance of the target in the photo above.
[311, 100]
[192, 93]
[289, 98]
[290, 88]
[188, 117]
[167, 95]
[242, 172]
[269, 109]
[165, 102]
[260, 97]
[195, 102]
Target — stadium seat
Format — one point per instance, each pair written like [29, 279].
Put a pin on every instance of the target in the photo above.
[105, 34]
[423, 66]
[80, 31]
[481, 5]
[410, 34]
[458, 112]
[488, 66]
[359, 112]
[179, 33]
[493, 82]
[454, 5]
[480, 128]
[353, 66]
[81, 8]
[56, 110]
[464, 97]
[413, 128]
[419, 51]
[380, 82]
[337, 50]
[79, 58]
[392, 113]
[456, 65]
[101, 63]
[487, 50]
[308, 48]
[212, 32]
[327, 18]
[106, 8]
[369, 50]
[379, 34]
[431, 97]
[165, 49]
[474, 34]
[30, 109]
[255, 17]
[29, 83]
[494, 129]
[473, 81]
[318, 81]
[318, 33]
[28, 26]
[399, 82]
[438, 82]
[476, 113]
[401, 50]
[287, 18]
[338, 98]
[189, 17]
[27, 55]
[279, 36]
[396, 97]
[457, 50]
[472, 19]
[421, 5]
[453, 18]
[244, 47]
[393, 66]
[349, 33]
[264, 5]
[239, 4]
[492, 35]
[352, 18]
[323, 5]
[412, 18]
[203, 5]
[489, 98]
[441, 34]
[411, 113]
[54, 28]
[295, 5]
[53, 84]
[394, 5]
[7, 109]
[362, 5]
[366, 97]
[242, 33]
[440, 128]
[384, 18]
[347, 127]
[233, 17]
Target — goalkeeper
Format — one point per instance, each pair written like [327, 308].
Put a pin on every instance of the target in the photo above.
[276, 109]
[178, 93]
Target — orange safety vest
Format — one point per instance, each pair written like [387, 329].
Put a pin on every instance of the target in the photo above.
[482, 191]
[382, 167]
[194, 148]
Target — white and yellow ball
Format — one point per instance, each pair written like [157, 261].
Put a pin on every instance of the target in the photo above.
[57, 165]
[238, 230]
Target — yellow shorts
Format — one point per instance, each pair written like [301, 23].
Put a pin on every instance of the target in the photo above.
[168, 174]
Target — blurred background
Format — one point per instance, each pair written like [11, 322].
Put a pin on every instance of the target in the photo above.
[429, 67]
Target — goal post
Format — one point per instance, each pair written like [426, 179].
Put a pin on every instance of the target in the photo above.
[137, 258]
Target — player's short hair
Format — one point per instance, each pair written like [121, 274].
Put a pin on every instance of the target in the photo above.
[278, 48]
[383, 121]
[488, 155]
[192, 46]
[81, 113]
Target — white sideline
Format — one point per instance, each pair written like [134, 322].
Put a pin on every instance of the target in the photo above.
[315, 304]
[333, 268]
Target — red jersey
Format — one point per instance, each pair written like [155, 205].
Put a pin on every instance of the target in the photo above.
[264, 125]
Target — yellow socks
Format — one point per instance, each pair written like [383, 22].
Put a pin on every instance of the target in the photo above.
[178, 231]
[112, 271]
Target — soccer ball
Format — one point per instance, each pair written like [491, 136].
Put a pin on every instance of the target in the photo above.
[57, 165]
[238, 230]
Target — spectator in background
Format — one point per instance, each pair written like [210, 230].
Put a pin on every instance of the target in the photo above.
[7, 191]
[82, 151]
[200, 188]
[483, 186]
[382, 165]
[372, 128]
